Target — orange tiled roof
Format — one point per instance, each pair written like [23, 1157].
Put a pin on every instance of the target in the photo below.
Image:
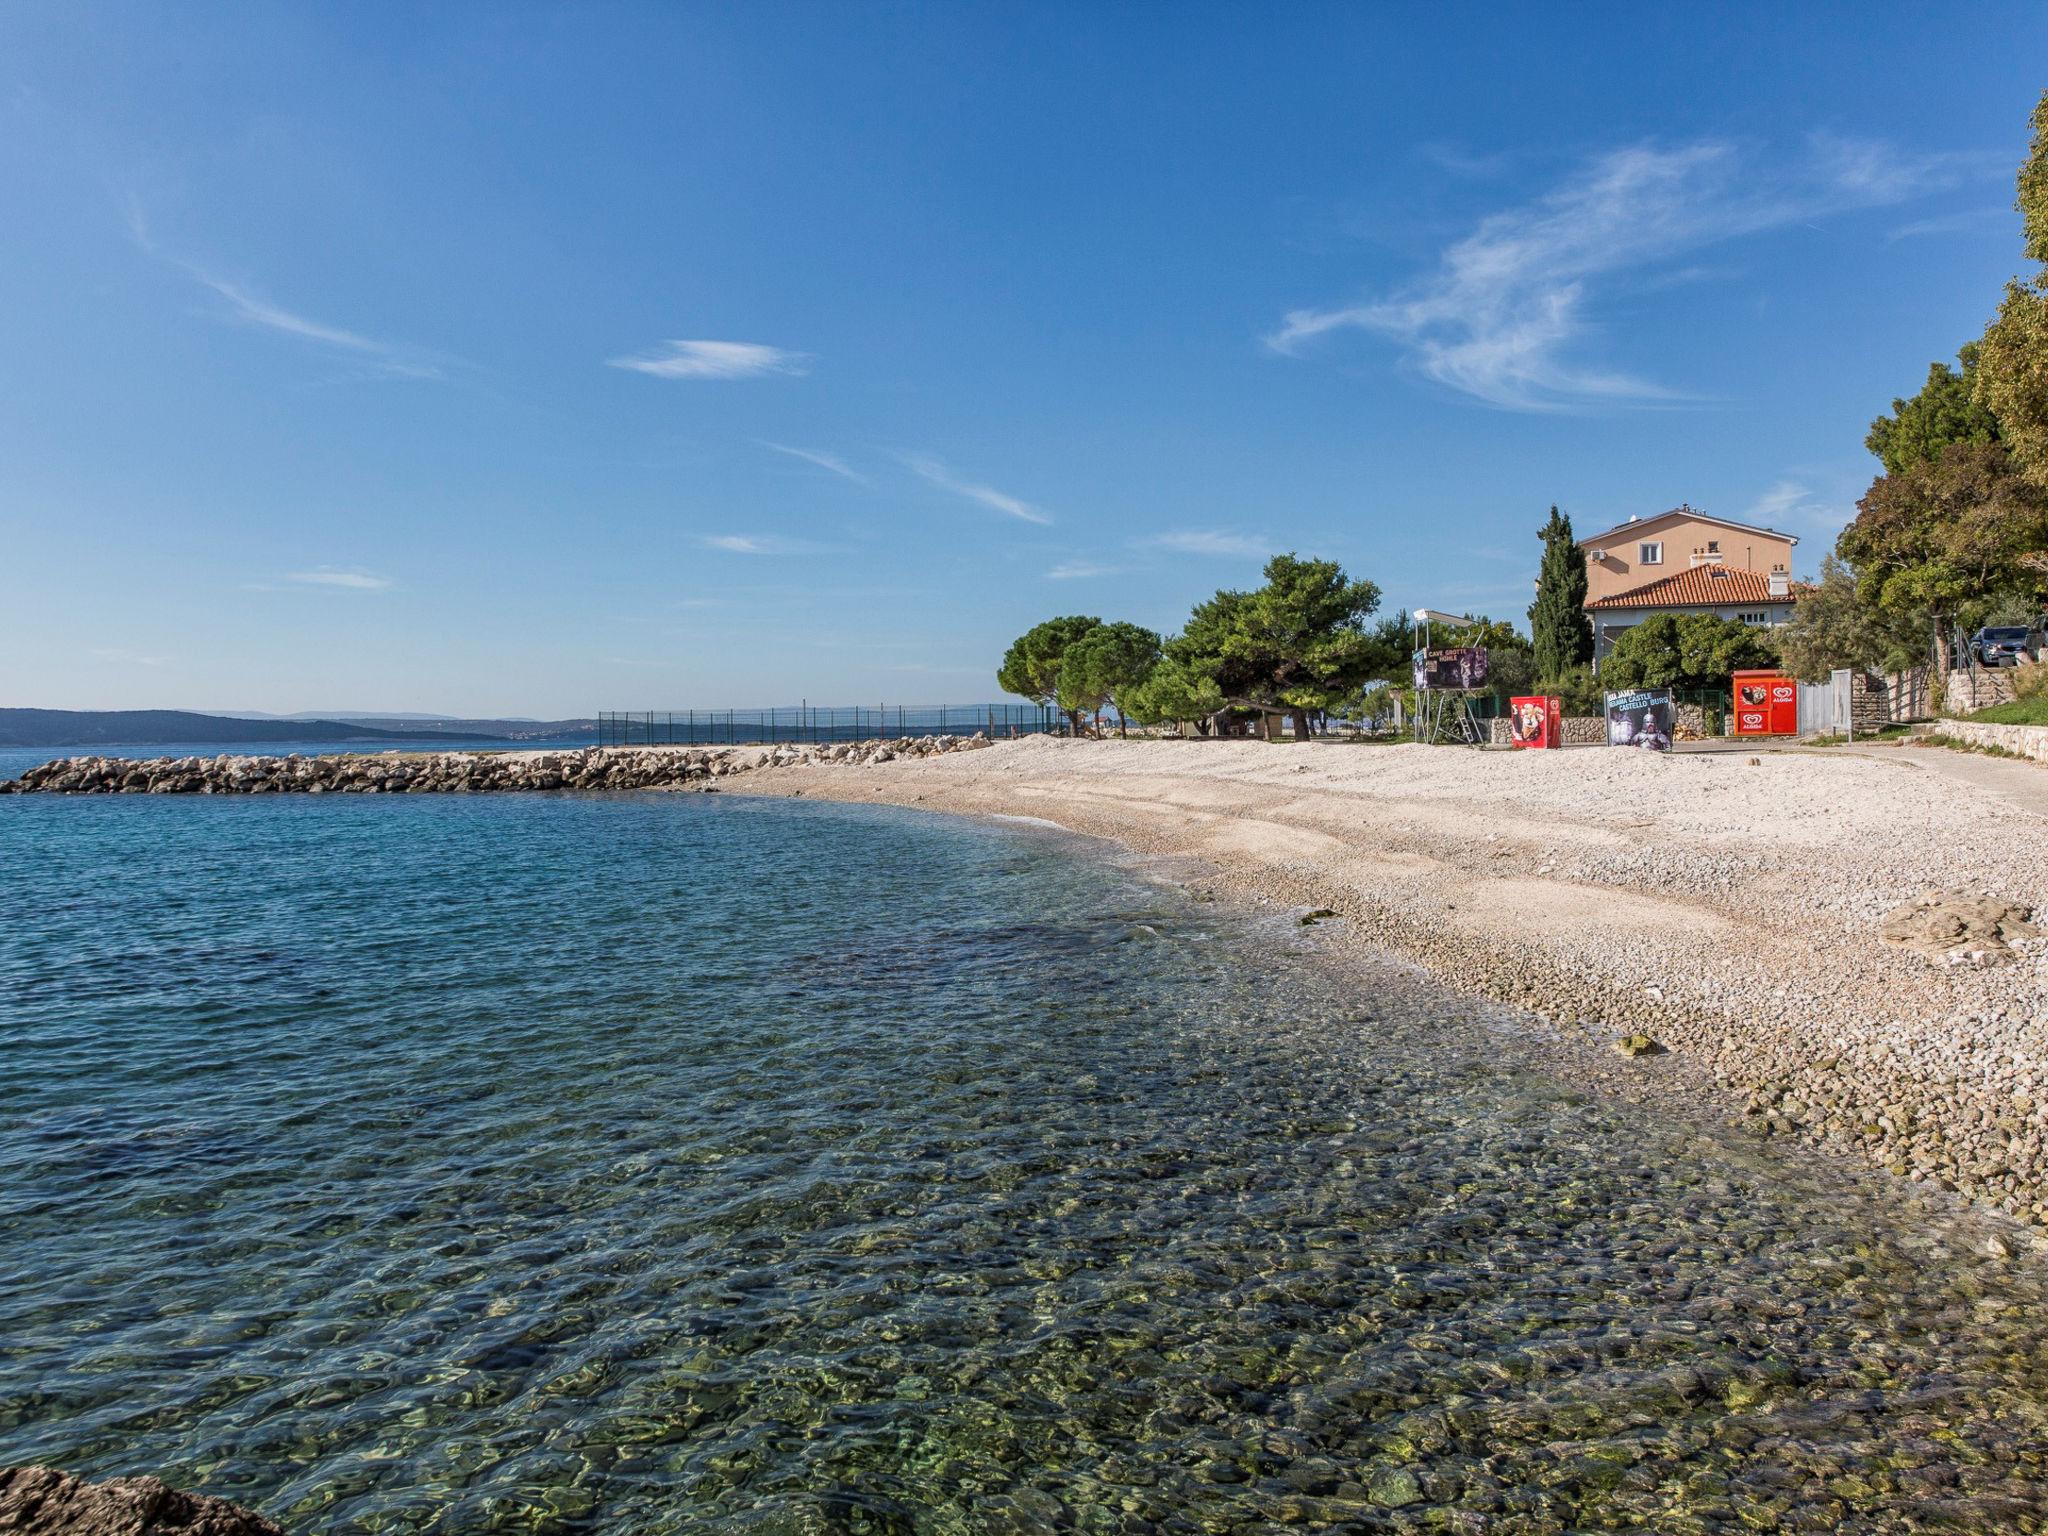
[1703, 586]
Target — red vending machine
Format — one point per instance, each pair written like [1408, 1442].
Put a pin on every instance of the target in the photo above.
[1766, 704]
[1536, 722]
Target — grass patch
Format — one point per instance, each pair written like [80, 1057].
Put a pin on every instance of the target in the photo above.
[2019, 712]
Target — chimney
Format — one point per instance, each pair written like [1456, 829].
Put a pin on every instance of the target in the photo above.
[1781, 583]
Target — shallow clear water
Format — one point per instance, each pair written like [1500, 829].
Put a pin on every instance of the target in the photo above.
[663, 1163]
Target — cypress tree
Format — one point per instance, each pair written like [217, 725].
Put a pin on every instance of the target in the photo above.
[1557, 619]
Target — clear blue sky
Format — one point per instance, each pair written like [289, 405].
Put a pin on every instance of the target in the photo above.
[537, 360]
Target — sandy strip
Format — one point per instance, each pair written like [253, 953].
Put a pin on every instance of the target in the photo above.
[1726, 905]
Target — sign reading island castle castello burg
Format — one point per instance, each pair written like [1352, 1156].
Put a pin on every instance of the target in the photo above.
[1684, 561]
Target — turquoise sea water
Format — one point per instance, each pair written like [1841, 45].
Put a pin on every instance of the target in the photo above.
[673, 1163]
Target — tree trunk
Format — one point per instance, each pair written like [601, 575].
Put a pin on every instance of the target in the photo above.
[1300, 719]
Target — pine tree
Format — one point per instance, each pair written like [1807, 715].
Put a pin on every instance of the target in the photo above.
[1557, 619]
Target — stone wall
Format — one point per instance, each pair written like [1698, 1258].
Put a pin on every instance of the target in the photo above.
[1870, 702]
[1579, 731]
[2024, 740]
[1966, 692]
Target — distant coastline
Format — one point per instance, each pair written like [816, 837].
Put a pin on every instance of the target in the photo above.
[178, 727]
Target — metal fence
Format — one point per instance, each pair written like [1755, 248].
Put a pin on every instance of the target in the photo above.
[817, 723]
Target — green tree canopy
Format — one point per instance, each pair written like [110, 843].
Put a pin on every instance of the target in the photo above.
[2012, 377]
[1107, 663]
[1558, 631]
[1945, 411]
[1832, 628]
[1944, 543]
[1295, 645]
[1693, 650]
[1174, 692]
[1031, 667]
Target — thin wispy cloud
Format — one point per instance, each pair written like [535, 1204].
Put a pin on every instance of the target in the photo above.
[1010, 506]
[349, 579]
[1506, 315]
[247, 306]
[714, 360]
[1463, 162]
[758, 544]
[1795, 502]
[1210, 541]
[1969, 221]
[822, 460]
[1778, 503]
[1078, 570]
[124, 658]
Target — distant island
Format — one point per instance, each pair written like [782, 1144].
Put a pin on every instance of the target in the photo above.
[177, 727]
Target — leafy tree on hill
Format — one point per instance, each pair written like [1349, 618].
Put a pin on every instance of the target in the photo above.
[1945, 411]
[1558, 631]
[2012, 376]
[1296, 645]
[1832, 628]
[1694, 651]
[1941, 544]
[1108, 663]
[1031, 667]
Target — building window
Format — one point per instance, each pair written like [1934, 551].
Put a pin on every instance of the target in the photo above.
[1713, 546]
[1754, 618]
[1650, 553]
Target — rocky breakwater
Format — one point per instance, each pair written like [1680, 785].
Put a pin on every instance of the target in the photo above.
[393, 773]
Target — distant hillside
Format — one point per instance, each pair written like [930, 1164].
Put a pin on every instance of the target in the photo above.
[515, 730]
[179, 727]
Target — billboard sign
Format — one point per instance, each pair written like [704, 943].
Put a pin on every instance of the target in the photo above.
[1641, 717]
[1766, 704]
[1455, 670]
[1536, 722]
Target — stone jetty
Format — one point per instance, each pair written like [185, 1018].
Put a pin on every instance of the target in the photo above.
[415, 773]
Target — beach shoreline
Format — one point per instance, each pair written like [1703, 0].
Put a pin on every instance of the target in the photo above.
[1702, 932]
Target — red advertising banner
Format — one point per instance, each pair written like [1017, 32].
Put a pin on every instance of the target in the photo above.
[1766, 704]
[1536, 722]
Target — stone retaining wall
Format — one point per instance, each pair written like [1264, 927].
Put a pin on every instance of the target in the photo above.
[2024, 740]
[413, 773]
[1579, 731]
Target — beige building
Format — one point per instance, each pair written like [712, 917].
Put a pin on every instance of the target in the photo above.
[1647, 549]
[1684, 561]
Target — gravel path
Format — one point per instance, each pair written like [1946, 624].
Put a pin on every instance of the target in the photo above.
[1727, 906]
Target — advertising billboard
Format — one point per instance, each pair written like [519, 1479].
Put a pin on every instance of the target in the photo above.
[1766, 704]
[1642, 717]
[1536, 722]
[1454, 670]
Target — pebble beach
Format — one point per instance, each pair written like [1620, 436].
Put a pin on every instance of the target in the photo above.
[1824, 947]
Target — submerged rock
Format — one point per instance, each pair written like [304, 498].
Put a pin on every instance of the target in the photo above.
[52, 1503]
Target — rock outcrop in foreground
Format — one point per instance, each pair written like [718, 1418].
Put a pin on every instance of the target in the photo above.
[454, 772]
[52, 1503]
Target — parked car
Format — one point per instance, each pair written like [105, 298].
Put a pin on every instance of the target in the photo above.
[2006, 645]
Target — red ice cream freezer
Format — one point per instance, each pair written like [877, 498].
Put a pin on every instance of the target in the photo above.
[1766, 704]
[1536, 721]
